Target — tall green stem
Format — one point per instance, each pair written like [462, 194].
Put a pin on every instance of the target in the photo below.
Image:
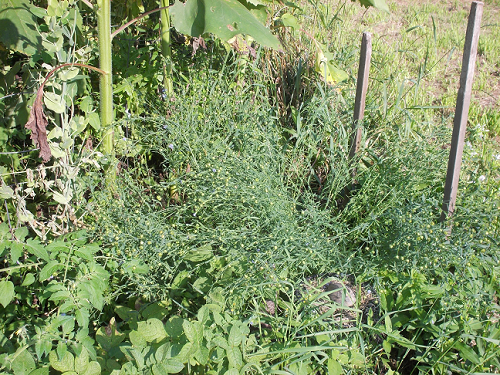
[165, 48]
[106, 82]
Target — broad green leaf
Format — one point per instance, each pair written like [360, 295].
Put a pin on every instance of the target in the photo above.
[18, 26]
[23, 363]
[43, 346]
[62, 294]
[173, 327]
[379, 4]
[6, 292]
[66, 363]
[21, 233]
[109, 337]
[87, 252]
[16, 250]
[152, 330]
[37, 249]
[199, 254]
[49, 269]
[168, 366]
[190, 331]
[62, 199]
[235, 336]
[289, 20]
[387, 346]
[232, 371]
[155, 310]
[40, 371]
[82, 361]
[137, 339]
[224, 18]
[6, 192]
[334, 367]
[93, 292]
[54, 102]
[466, 352]
[94, 120]
[234, 357]
[82, 317]
[202, 284]
[126, 313]
[28, 279]
[136, 266]
[94, 368]
[68, 73]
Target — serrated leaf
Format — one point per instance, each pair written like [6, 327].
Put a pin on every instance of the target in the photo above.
[19, 26]
[93, 292]
[234, 357]
[37, 249]
[235, 336]
[21, 233]
[224, 18]
[62, 294]
[43, 346]
[66, 363]
[6, 292]
[82, 317]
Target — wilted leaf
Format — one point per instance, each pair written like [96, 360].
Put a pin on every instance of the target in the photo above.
[37, 123]
[326, 67]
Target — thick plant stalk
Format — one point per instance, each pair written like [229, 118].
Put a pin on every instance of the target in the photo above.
[106, 82]
[165, 48]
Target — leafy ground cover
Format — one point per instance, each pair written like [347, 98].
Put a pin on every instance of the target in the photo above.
[234, 213]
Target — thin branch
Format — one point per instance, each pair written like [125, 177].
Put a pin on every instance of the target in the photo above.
[135, 20]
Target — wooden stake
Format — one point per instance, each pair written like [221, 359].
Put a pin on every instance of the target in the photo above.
[361, 88]
[462, 109]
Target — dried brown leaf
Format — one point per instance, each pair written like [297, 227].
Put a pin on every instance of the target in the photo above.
[37, 123]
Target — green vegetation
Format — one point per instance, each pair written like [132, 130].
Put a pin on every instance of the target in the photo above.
[234, 238]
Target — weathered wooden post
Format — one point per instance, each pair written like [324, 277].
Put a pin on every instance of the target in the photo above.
[462, 109]
[361, 88]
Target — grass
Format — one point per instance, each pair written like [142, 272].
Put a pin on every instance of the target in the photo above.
[238, 205]
[241, 208]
